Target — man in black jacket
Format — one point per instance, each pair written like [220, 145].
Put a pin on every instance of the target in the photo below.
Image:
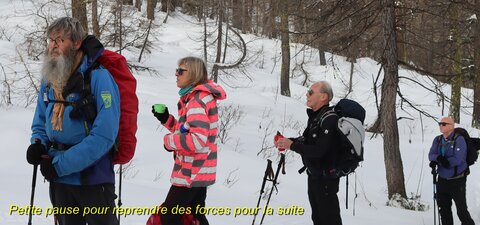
[319, 146]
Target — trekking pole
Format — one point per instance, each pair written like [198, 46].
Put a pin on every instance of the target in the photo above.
[268, 174]
[356, 195]
[120, 191]
[346, 192]
[34, 181]
[434, 173]
[274, 182]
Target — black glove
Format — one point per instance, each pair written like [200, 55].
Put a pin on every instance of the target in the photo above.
[442, 161]
[162, 117]
[35, 152]
[47, 169]
[433, 165]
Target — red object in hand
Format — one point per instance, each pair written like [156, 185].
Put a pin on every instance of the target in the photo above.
[278, 136]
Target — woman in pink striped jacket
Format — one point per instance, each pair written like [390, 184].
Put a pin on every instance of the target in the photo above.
[192, 139]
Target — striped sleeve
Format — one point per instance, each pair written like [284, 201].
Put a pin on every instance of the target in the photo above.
[171, 124]
[199, 125]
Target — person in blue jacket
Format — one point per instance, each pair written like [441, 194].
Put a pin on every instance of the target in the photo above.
[74, 129]
[449, 154]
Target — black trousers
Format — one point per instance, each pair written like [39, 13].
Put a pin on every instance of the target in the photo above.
[183, 197]
[448, 190]
[85, 197]
[322, 193]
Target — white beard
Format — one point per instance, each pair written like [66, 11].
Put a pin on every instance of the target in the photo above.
[57, 70]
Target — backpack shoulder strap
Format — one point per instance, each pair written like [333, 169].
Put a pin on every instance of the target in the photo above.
[87, 77]
[455, 136]
[327, 114]
[86, 97]
[438, 140]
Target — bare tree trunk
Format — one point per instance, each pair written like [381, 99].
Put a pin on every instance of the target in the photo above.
[7, 85]
[457, 67]
[172, 4]
[393, 160]
[219, 40]
[151, 4]
[353, 54]
[431, 54]
[456, 89]
[115, 24]
[321, 54]
[243, 10]
[79, 11]
[167, 5]
[257, 8]
[146, 40]
[377, 125]
[402, 37]
[266, 20]
[273, 23]
[269, 26]
[201, 10]
[350, 82]
[138, 5]
[95, 26]
[237, 14]
[120, 26]
[246, 16]
[476, 91]
[285, 37]
[169, 8]
[226, 39]
[205, 56]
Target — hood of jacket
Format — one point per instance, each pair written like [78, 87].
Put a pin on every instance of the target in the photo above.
[92, 48]
[212, 88]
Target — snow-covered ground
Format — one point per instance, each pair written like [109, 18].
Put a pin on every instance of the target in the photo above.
[240, 170]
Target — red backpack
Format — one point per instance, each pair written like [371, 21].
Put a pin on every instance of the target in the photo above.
[117, 65]
[127, 84]
[187, 219]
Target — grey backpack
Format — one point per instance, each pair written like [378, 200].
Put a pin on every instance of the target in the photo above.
[352, 133]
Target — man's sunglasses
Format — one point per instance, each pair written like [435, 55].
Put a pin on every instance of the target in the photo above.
[443, 124]
[180, 71]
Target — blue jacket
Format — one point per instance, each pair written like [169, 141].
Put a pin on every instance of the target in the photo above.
[88, 161]
[456, 157]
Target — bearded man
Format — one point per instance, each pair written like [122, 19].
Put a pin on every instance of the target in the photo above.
[73, 130]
